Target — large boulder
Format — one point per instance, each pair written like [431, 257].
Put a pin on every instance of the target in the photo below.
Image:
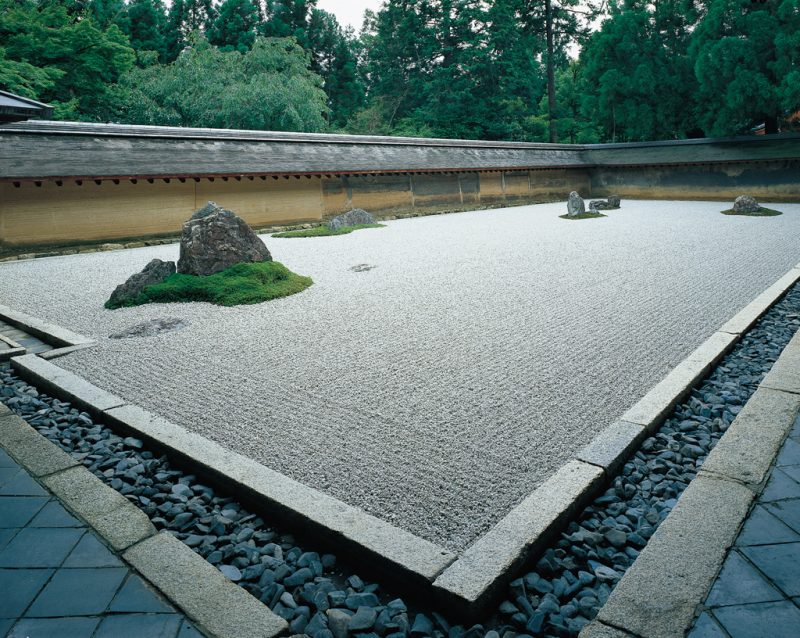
[355, 217]
[745, 204]
[215, 239]
[154, 273]
[611, 203]
[575, 205]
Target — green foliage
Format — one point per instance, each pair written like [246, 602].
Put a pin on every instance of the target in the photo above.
[145, 24]
[762, 212]
[637, 76]
[235, 25]
[747, 62]
[246, 283]
[66, 61]
[268, 88]
[325, 231]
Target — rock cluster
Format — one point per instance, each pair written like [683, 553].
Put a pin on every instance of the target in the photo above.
[745, 204]
[215, 239]
[154, 273]
[575, 205]
[564, 591]
[354, 217]
[610, 203]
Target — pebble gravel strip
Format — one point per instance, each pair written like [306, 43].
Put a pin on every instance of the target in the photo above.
[568, 585]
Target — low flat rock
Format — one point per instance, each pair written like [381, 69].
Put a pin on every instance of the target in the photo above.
[354, 217]
[151, 328]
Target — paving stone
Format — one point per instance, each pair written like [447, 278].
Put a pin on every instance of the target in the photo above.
[792, 471]
[90, 552]
[136, 596]
[762, 528]
[795, 432]
[55, 628]
[706, 627]
[790, 454]
[739, 583]
[17, 511]
[54, 515]
[20, 587]
[779, 563]
[139, 625]
[6, 534]
[78, 592]
[775, 620]
[40, 547]
[7, 473]
[780, 486]
[22, 485]
[5, 459]
[187, 631]
[787, 511]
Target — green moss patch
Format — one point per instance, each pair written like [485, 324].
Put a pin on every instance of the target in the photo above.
[325, 231]
[762, 212]
[586, 215]
[245, 283]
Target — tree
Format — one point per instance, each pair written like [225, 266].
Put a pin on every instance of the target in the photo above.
[637, 74]
[144, 22]
[186, 17]
[236, 25]
[746, 61]
[65, 60]
[104, 12]
[333, 57]
[269, 87]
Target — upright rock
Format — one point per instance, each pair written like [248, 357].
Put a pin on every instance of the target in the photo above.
[215, 239]
[154, 273]
[355, 217]
[575, 205]
[613, 201]
[745, 204]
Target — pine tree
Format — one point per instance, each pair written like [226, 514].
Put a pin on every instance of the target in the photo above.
[144, 22]
[235, 25]
[746, 60]
[186, 17]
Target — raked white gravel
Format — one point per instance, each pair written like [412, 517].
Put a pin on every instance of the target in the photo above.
[441, 387]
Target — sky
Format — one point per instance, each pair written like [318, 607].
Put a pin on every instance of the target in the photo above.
[349, 12]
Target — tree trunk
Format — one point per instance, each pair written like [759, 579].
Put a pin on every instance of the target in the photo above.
[551, 74]
[770, 124]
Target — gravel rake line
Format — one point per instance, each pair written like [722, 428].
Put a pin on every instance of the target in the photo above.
[322, 599]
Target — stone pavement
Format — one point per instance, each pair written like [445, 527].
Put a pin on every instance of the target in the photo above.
[757, 592]
[32, 344]
[59, 580]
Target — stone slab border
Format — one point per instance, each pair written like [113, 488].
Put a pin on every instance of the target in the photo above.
[472, 582]
[218, 607]
[64, 341]
[659, 594]
[310, 511]
[13, 350]
[465, 584]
